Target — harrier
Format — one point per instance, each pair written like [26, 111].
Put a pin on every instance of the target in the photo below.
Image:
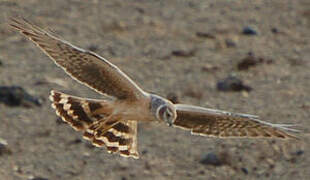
[112, 121]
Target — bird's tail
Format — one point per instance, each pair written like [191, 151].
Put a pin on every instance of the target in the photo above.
[100, 126]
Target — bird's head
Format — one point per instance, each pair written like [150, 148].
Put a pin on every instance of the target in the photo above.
[163, 109]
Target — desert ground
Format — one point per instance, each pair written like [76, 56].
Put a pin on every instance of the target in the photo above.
[175, 48]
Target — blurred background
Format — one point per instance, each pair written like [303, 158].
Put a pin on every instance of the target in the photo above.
[241, 56]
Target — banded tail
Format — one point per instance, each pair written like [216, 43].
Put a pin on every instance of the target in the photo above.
[95, 119]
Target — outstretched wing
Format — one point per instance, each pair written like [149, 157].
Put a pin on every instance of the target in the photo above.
[84, 66]
[216, 123]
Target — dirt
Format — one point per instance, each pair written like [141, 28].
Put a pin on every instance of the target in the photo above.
[167, 47]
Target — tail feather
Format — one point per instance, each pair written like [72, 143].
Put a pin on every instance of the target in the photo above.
[93, 118]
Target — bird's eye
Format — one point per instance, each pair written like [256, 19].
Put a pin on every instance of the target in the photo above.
[166, 114]
[162, 112]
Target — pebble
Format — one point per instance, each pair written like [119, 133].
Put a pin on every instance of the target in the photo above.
[248, 30]
[4, 149]
[209, 68]
[274, 30]
[232, 83]
[183, 53]
[93, 48]
[247, 62]
[194, 93]
[245, 170]
[230, 42]
[38, 178]
[211, 159]
[205, 35]
[173, 97]
[17, 96]
[250, 60]
[299, 152]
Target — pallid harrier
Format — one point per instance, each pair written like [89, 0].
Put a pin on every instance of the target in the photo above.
[112, 122]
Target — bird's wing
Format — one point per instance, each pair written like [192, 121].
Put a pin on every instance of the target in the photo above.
[216, 123]
[84, 66]
[121, 137]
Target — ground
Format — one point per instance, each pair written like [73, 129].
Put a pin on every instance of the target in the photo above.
[173, 47]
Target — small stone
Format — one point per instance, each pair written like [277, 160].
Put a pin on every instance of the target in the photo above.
[211, 159]
[299, 152]
[247, 62]
[75, 141]
[183, 53]
[173, 97]
[250, 60]
[205, 35]
[274, 30]
[232, 83]
[194, 93]
[4, 149]
[230, 43]
[145, 151]
[209, 68]
[245, 170]
[93, 48]
[38, 178]
[248, 30]
[17, 96]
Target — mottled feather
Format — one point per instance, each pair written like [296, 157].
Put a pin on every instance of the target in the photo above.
[81, 114]
[84, 66]
[216, 123]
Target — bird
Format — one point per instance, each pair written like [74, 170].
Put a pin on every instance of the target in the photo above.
[112, 121]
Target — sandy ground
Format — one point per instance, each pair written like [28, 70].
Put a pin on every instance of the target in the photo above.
[145, 38]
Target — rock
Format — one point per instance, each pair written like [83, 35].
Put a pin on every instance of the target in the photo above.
[183, 53]
[75, 141]
[250, 60]
[230, 42]
[299, 152]
[245, 170]
[17, 96]
[274, 30]
[209, 68]
[232, 83]
[173, 97]
[247, 62]
[248, 30]
[211, 159]
[92, 48]
[1, 63]
[194, 93]
[4, 149]
[38, 178]
[205, 35]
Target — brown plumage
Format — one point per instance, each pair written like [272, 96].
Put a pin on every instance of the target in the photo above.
[81, 114]
[112, 121]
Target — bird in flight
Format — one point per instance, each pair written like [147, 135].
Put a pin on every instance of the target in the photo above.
[113, 121]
